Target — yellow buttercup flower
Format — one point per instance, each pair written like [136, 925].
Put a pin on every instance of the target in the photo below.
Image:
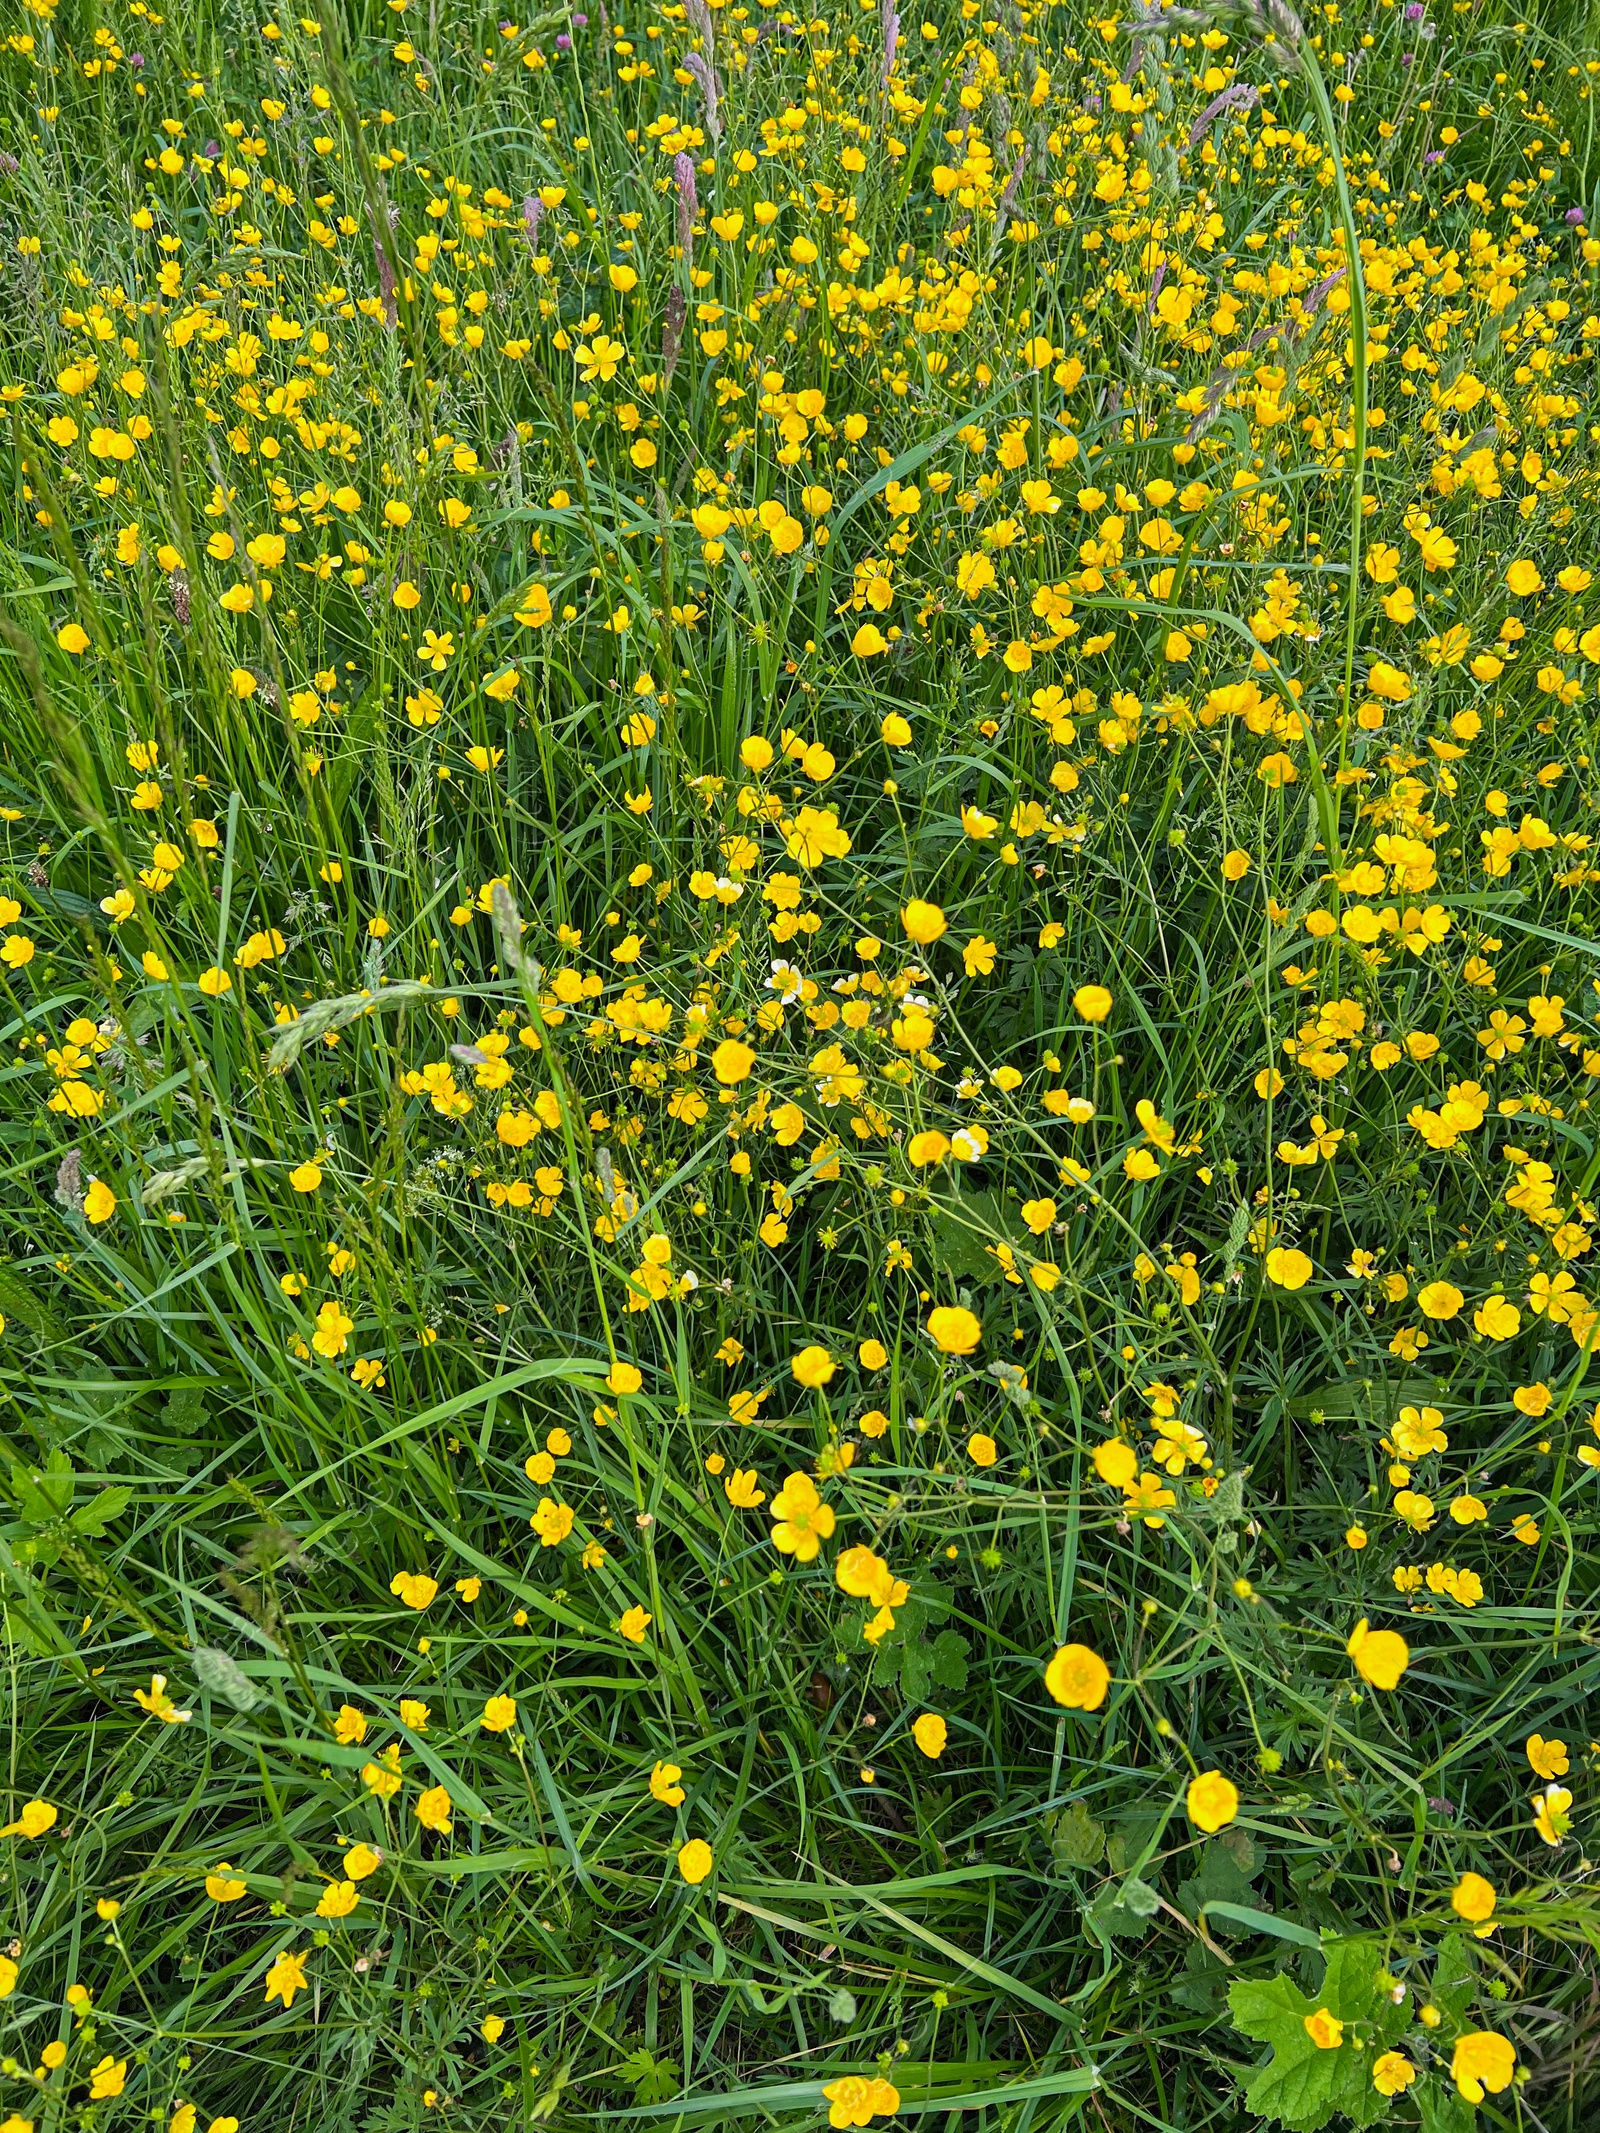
[1212, 1801]
[802, 1521]
[1482, 2062]
[695, 1861]
[955, 1329]
[1381, 1655]
[1078, 1678]
[286, 1975]
[813, 1367]
[930, 1733]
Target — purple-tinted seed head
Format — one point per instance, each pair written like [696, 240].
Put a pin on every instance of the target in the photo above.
[688, 202]
[705, 74]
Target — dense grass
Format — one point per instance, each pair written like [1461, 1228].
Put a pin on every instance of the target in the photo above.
[742, 748]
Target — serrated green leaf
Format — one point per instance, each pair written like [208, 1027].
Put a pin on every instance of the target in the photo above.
[1351, 1987]
[916, 1671]
[1442, 2107]
[1218, 1881]
[1303, 2084]
[962, 1230]
[1123, 1910]
[93, 1517]
[654, 2080]
[949, 1659]
[1242, 1848]
[1455, 1975]
[45, 1493]
[1077, 1839]
[886, 1661]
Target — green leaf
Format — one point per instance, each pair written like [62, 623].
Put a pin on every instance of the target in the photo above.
[1218, 1881]
[918, 1661]
[1375, 1402]
[1123, 1910]
[1130, 1839]
[81, 909]
[654, 2080]
[916, 1671]
[93, 1517]
[943, 1659]
[962, 1230]
[1077, 1839]
[1242, 1848]
[1201, 1984]
[1140, 1898]
[1444, 2109]
[1455, 1975]
[1300, 2086]
[1303, 2084]
[43, 1495]
[950, 1659]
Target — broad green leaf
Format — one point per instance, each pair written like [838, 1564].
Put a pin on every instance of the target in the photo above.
[1123, 1910]
[1303, 2084]
[93, 1517]
[1455, 1975]
[1219, 1881]
[1442, 2107]
[1077, 1839]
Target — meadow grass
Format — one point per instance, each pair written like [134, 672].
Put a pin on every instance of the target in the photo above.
[799, 992]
